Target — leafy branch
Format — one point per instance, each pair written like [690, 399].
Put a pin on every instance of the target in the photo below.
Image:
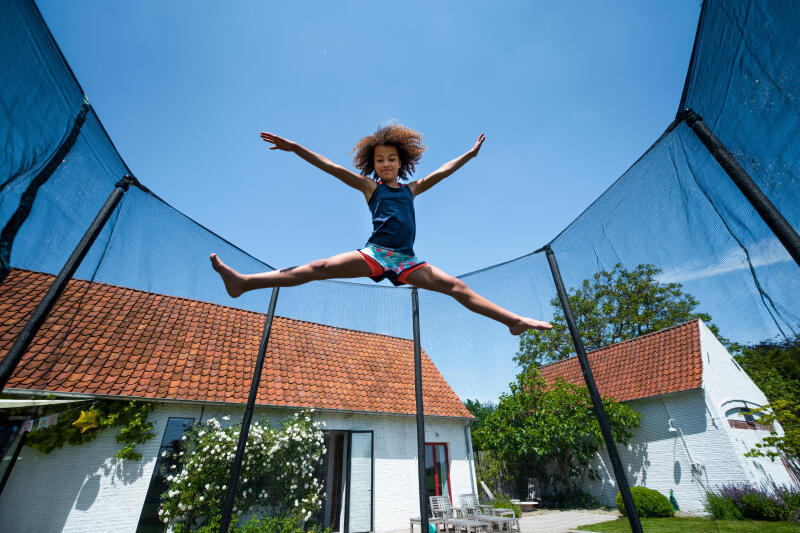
[100, 416]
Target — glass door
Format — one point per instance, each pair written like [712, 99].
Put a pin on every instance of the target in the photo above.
[437, 470]
[358, 518]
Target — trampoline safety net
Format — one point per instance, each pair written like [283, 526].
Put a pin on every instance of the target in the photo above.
[675, 208]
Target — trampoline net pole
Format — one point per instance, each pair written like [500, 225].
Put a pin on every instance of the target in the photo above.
[423, 502]
[233, 483]
[600, 412]
[44, 307]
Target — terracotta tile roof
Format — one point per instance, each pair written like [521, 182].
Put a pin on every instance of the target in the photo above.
[658, 363]
[108, 340]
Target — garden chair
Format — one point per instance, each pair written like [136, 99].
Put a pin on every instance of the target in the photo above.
[487, 513]
[533, 500]
[533, 490]
[455, 516]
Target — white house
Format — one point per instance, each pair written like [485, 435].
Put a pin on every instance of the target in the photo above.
[195, 360]
[691, 394]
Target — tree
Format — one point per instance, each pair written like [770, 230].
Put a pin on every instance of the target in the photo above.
[488, 466]
[480, 411]
[787, 445]
[611, 307]
[551, 426]
[775, 368]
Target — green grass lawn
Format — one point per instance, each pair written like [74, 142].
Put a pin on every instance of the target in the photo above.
[695, 525]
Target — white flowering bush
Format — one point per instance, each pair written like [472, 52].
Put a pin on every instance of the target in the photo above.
[276, 480]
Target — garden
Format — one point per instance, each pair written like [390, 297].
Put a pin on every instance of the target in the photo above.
[734, 507]
[278, 491]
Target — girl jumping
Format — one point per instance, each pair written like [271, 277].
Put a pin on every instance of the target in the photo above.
[384, 159]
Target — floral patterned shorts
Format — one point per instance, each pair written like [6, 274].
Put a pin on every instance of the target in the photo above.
[388, 264]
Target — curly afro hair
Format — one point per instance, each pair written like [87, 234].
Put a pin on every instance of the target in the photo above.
[407, 141]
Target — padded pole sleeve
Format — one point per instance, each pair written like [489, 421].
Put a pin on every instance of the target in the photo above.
[12, 227]
[763, 206]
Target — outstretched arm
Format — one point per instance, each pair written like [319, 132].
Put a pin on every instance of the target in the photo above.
[365, 185]
[420, 186]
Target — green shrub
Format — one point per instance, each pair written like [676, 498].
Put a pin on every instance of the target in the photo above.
[649, 503]
[722, 507]
[261, 525]
[569, 499]
[758, 502]
[757, 507]
[277, 476]
[504, 502]
[792, 502]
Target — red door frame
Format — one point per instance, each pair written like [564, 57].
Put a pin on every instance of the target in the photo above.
[447, 464]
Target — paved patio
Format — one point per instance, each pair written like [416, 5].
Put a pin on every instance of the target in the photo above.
[551, 521]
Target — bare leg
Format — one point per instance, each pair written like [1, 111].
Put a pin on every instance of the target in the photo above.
[431, 278]
[346, 265]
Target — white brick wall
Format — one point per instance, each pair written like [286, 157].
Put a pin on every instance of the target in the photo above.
[396, 478]
[83, 488]
[727, 386]
[662, 460]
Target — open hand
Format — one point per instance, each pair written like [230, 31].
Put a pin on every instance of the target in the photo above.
[279, 142]
[477, 146]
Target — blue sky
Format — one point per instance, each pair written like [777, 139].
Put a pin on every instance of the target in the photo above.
[569, 95]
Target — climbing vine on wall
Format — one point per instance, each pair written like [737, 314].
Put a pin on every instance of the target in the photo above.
[84, 424]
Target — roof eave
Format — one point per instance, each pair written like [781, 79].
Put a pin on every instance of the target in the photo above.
[699, 387]
[79, 395]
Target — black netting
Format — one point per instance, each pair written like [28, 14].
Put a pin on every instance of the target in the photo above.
[744, 83]
[675, 208]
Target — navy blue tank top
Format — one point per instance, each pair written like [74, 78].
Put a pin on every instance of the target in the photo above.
[393, 223]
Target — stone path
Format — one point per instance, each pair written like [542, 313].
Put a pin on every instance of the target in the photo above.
[547, 521]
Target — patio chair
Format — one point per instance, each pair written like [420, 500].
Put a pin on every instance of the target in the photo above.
[487, 513]
[455, 516]
[533, 490]
[533, 500]
[489, 510]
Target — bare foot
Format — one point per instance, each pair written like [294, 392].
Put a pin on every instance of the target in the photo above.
[526, 323]
[234, 282]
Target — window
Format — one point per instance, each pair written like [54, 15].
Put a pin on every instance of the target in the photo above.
[149, 521]
[742, 418]
[437, 470]
[11, 439]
